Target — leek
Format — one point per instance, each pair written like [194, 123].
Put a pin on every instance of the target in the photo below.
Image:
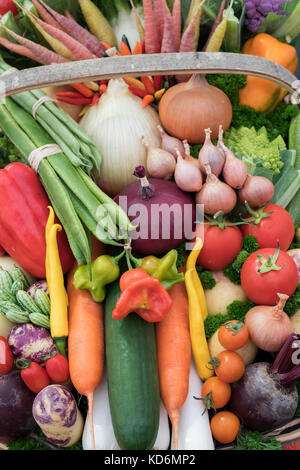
[289, 29]
[286, 187]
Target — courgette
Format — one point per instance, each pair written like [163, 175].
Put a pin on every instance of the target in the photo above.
[133, 385]
[294, 139]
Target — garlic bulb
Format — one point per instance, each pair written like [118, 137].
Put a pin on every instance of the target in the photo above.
[116, 126]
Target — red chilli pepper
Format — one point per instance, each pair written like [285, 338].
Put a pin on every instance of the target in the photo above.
[79, 101]
[95, 99]
[148, 84]
[33, 375]
[6, 357]
[157, 82]
[82, 89]
[144, 295]
[69, 94]
[138, 91]
[138, 48]
[57, 368]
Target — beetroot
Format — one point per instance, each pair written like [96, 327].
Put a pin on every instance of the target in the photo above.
[165, 214]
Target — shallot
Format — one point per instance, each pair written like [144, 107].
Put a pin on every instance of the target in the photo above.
[187, 177]
[211, 155]
[216, 195]
[235, 171]
[257, 191]
[171, 144]
[160, 163]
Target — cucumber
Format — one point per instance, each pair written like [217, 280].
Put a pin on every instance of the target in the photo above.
[6, 281]
[6, 296]
[294, 139]
[17, 285]
[26, 302]
[132, 373]
[17, 273]
[42, 301]
[40, 319]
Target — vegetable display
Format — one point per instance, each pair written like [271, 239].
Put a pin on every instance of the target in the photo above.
[149, 228]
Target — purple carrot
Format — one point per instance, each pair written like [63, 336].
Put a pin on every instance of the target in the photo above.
[79, 51]
[159, 18]
[151, 35]
[216, 23]
[168, 42]
[42, 54]
[18, 49]
[70, 26]
[187, 43]
[45, 15]
[176, 14]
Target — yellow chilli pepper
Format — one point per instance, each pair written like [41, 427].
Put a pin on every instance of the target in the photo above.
[197, 315]
[55, 280]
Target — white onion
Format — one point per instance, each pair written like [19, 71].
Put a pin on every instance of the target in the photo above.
[116, 125]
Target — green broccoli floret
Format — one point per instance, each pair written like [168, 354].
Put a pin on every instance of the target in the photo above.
[251, 144]
[233, 270]
[235, 311]
[254, 440]
[8, 152]
[206, 278]
[293, 303]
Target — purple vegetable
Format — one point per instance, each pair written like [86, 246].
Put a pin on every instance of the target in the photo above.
[164, 213]
[295, 254]
[55, 411]
[38, 285]
[266, 397]
[16, 401]
[28, 341]
[257, 10]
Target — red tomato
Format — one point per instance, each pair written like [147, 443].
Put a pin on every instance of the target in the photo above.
[277, 227]
[35, 377]
[57, 368]
[262, 287]
[220, 247]
[225, 426]
[8, 5]
[6, 357]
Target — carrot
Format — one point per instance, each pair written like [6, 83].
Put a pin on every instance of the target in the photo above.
[176, 14]
[151, 36]
[78, 51]
[56, 45]
[173, 344]
[86, 340]
[45, 15]
[138, 21]
[159, 18]
[70, 26]
[188, 43]
[18, 49]
[215, 40]
[43, 55]
[97, 22]
[148, 84]
[130, 81]
[82, 89]
[196, 8]
[168, 42]
[148, 99]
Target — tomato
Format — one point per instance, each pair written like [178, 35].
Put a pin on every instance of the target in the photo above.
[277, 227]
[229, 366]
[233, 335]
[57, 368]
[34, 376]
[220, 247]
[6, 357]
[220, 392]
[131, 276]
[8, 5]
[262, 287]
[225, 426]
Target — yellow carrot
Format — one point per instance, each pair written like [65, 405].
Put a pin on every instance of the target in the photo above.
[49, 224]
[217, 38]
[97, 22]
[138, 20]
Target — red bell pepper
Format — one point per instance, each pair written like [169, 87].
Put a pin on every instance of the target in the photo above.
[144, 296]
[23, 217]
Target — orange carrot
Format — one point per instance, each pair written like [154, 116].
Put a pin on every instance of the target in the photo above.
[148, 99]
[86, 340]
[173, 344]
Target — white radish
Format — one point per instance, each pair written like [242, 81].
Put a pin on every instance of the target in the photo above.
[194, 430]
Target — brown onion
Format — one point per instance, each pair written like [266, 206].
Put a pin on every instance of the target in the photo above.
[215, 195]
[257, 191]
[186, 109]
[269, 327]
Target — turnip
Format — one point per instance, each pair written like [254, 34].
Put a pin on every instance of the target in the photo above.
[223, 294]
[247, 352]
[266, 397]
[30, 342]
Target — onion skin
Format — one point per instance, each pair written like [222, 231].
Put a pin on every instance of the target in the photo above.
[166, 192]
[186, 109]
[260, 401]
[216, 196]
